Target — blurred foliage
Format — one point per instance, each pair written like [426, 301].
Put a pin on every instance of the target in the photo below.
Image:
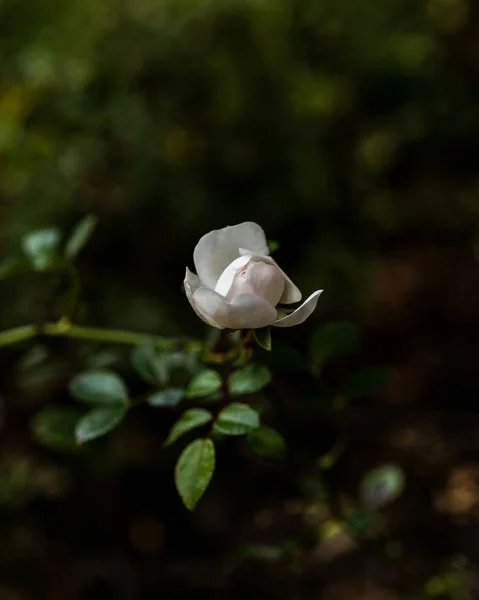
[188, 115]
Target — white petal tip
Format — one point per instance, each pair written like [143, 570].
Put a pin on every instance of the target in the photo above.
[300, 315]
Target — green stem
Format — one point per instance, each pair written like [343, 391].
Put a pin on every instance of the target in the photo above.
[117, 336]
[17, 334]
[224, 369]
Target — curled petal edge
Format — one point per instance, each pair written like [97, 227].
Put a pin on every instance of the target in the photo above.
[300, 315]
[193, 283]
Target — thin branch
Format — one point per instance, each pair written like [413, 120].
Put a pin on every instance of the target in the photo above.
[63, 328]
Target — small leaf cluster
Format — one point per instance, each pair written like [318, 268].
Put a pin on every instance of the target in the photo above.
[64, 427]
[231, 417]
[168, 372]
[211, 402]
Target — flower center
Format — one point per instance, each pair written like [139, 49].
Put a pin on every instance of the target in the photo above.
[246, 276]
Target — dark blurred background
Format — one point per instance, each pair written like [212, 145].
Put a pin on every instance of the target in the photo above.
[350, 131]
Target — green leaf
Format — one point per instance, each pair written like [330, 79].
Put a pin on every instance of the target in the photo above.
[205, 383]
[273, 246]
[80, 235]
[237, 419]
[249, 379]
[54, 427]
[180, 367]
[194, 470]
[98, 422]
[170, 397]
[382, 486]
[150, 364]
[364, 381]
[190, 419]
[333, 340]
[179, 360]
[41, 247]
[99, 387]
[263, 337]
[267, 443]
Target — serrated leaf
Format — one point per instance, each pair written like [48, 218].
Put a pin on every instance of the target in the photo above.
[150, 364]
[237, 419]
[54, 427]
[41, 247]
[249, 379]
[263, 337]
[382, 486]
[333, 340]
[190, 419]
[80, 235]
[170, 397]
[99, 387]
[98, 422]
[194, 470]
[364, 381]
[204, 384]
[267, 443]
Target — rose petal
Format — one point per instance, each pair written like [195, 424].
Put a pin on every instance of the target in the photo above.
[211, 307]
[192, 283]
[301, 313]
[248, 311]
[217, 249]
[290, 293]
[264, 280]
[224, 283]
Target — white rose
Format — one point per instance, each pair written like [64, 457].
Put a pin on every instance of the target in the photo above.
[239, 285]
